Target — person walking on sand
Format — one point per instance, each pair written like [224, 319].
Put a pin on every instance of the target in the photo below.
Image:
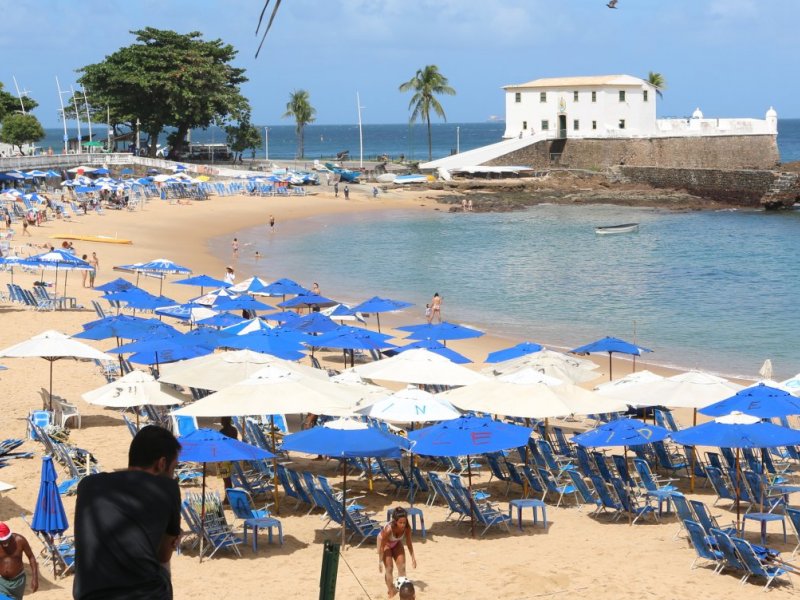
[95, 264]
[272, 224]
[230, 276]
[346, 193]
[12, 571]
[436, 308]
[235, 247]
[128, 523]
[336, 190]
[390, 548]
[85, 273]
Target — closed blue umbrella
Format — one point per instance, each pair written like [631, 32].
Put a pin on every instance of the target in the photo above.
[436, 348]
[380, 305]
[440, 331]
[611, 345]
[513, 352]
[49, 517]
[762, 401]
[621, 432]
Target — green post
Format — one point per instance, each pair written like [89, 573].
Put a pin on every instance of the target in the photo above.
[327, 576]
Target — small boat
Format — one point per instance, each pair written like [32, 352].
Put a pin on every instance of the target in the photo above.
[103, 239]
[345, 175]
[407, 179]
[614, 229]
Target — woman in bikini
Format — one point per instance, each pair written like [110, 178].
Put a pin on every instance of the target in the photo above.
[390, 548]
[436, 308]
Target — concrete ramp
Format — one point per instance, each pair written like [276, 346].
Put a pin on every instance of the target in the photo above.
[484, 154]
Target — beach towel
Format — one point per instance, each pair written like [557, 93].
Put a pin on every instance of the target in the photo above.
[14, 587]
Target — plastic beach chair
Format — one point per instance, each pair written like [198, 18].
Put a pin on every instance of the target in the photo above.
[702, 546]
[755, 566]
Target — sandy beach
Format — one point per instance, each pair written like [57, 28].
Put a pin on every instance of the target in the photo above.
[576, 556]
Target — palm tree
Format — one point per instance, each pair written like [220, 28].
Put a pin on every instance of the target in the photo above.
[426, 84]
[300, 108]
[657, 81]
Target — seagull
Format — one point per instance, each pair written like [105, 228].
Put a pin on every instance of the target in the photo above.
[612, 4]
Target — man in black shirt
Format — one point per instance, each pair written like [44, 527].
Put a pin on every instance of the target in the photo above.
[127, 524]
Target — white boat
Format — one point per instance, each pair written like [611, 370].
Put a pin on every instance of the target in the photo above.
[406, 179]
[614, 229]
[386, 178]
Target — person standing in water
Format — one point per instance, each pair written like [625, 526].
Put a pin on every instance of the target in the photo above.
[436, 308]
[272, 223]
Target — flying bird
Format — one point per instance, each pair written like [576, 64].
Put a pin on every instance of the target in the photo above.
[612, 3]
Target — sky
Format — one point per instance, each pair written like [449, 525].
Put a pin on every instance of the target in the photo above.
[731, 58]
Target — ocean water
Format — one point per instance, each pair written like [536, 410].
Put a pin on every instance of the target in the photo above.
[711, 290]
[324, 141]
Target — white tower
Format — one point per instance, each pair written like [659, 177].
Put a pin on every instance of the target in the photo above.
[772, 120]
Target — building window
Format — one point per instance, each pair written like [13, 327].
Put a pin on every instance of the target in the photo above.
[622, 123]
[622, 95]
[524, 124]
[574, 96]
[576, 124]
[594, 124]
[594, 96]
[542, 96]
[518, 97]
[644, 95]
[545, 125]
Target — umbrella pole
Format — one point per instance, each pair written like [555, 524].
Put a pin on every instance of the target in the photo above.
[344, 505]
[694, 454]
[51, 385]
[378, 316]
[274, 464]
[203, 513]
[65, 283]
[610, 377]
[411, 480]
[625, 450]
[469, 500]
[737, 490]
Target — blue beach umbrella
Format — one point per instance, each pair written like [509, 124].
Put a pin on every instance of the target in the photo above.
[157, 349]
[221, 320]
[521, 349]
[284, 287]
[125, 327]
[307, 300]
[49, 517]
[202, 281]
[243, 302]
[116, 285]
[611, 345]
[140, 299]
[621, 432]
[209, 446]
[311, 323]
[379, 305]
[55, 260]
[353, 338]
[436, 348]
[159, 266]
[245, 327]
[268, 342]
[760, 401]
[251, 285]
[184, 312]
[285, 316]
[440, 331]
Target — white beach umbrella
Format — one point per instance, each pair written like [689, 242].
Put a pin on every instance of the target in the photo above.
[222, 369]
[346, 424]
[525, 400]
[411, 405]
[791, 385]
[275, 390]
[369, 392]
[419, 366]
[52, 346]
[555, 364]
[530, 375]
[693, 389]
[136, 388]
[244, 286]
[629, 379]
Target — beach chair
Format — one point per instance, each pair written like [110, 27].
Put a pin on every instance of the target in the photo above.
[755, 566]
[214, 531]
[630, 504]
[534, 482]
[584, 491]
[242, 507]
[652, 488]
[552, 487]
[485, 514]
[666, 460]
[693, 458]
[496, 470]
[183, 425]
[564, 447]
[55, 549]
[602, 466]
[445, 491]
[420, 485]
[608, 499]
[622, 469]
[702, 547]
[719, 484]
[722, 541]
[759, 488]
[683, 510]
[66, 412]
[584, 461]
[288, 488]
[304, 494]
[391, 478]
[514, 475]
[555, 465]
[707, 520]
[794, 519]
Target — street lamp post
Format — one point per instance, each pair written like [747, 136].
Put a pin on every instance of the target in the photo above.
[138, 124]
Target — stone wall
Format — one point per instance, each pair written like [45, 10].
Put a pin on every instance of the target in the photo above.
[717, 152]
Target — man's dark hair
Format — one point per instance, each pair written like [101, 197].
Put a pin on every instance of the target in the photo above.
[407, 591]
[150, 444]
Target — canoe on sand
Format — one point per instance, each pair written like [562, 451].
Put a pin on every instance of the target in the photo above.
[105, 239]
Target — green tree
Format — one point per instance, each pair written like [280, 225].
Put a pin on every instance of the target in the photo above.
[19, 129]
[243, 136]
[300, 108]
[10, 103]
[426, 85]
[167, 79]
[657, 81]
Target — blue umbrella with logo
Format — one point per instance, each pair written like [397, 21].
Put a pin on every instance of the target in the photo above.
[611, 345]
[380, 305]
[209, 446]
[116, 285]
[221, 320]
[521, 349]
[49, 517]
[159, 267]
[762, 401]
[58, 260]
[621, 432]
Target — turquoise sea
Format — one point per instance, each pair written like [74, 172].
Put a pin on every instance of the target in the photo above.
[711, 290]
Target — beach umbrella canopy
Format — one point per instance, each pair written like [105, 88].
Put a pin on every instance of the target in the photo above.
[285, 316]
[275, 390]
[9, 262]
[440, 331]
[611, 345]
[556, 364]
[737, 430]
[251, 285]
[213, 297]
[172, 346]
[380, 305]
[284, 346]
[245, 327]
[346, 443]
[140, 299]
[57, 260]
[411, 405]
[634, 378]
[311, 323]
[759, 400]
[136, 388]
[436, 348]
[202, 281]
[52, 346]
[186, 312]
[243, 302]
[342, 312]
[621, 432]
[167, 355]
[419, 366]
[520, 349]
[352, 338]
[468, 435]
[529, 401]
[530, 375]
[159, 266]
[283, 287]
[116, 285]
[124, 326]
[221, 369]
[220, 320]
[307, 300]
[693, 389]
[209, 446]
[49, 517]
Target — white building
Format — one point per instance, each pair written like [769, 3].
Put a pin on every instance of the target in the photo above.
[607, 106]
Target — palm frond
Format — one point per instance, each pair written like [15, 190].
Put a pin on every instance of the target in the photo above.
[269, 24]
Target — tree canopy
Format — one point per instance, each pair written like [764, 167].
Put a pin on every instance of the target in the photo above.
[10, 103]
[426, 85]
[243, 135]
[657, 81]
[299, 107]
[167, 79]
[19, 129]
